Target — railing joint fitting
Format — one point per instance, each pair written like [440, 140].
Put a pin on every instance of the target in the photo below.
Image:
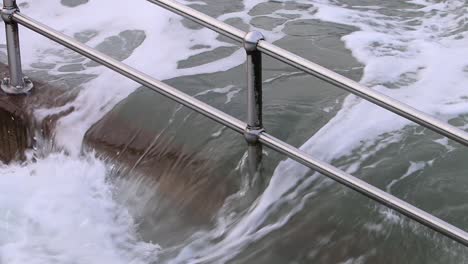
[252, 134]
[23, 87]
[251, 40]
[7, 14]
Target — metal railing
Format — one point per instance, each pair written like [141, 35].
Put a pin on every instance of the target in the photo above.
[252, 130]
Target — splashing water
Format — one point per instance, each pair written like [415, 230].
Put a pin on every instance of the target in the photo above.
[62, 208]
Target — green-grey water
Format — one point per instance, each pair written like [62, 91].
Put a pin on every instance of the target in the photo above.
[183, 178]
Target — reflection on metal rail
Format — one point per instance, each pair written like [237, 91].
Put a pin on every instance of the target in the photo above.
[253, 130]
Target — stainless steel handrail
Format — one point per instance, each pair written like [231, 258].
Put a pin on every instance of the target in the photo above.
[16, 83]
[322, 73]
[131, 73]
[300, 156]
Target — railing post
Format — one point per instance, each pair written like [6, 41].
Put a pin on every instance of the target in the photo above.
[16, 83]
[254, 100]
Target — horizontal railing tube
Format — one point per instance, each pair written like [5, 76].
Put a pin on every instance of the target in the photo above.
[322, 73]
[239, 126]
[202, 19]
[132, 73]
[368, 94]
[366, 189]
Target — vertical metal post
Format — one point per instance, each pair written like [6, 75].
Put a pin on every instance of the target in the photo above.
[254, 100]
[16, 83]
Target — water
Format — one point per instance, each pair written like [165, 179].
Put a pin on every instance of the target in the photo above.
[198, 204]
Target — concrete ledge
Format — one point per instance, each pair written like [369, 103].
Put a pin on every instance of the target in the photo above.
[15, 127]
[18, 125]
[179, 156]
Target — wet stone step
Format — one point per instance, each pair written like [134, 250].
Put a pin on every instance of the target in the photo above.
[19, 125]
[14, 130]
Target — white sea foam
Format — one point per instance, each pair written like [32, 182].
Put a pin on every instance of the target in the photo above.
[61, 209]
[414, 167]
[415, 58]
[420, 64]
[229, 90]
[167, 42]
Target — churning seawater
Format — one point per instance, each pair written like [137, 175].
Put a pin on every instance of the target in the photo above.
[65, 205]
